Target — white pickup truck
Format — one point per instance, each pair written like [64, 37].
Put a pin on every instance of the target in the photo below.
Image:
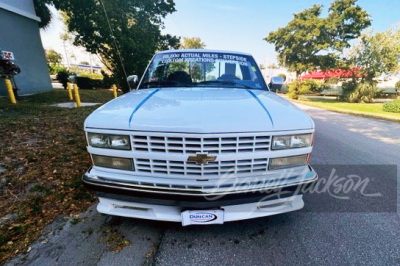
[200, 140]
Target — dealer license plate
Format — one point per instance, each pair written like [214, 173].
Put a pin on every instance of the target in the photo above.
[202, 217]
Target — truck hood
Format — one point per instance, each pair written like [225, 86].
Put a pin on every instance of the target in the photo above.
[199, 110]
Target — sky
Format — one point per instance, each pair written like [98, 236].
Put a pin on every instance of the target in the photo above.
[51, 40]
[238, 25]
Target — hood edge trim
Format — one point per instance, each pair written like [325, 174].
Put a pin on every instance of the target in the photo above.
[262, 105]
[140, 105]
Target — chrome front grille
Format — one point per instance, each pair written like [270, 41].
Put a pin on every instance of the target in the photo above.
[211, 144]
[217, 168]
[160, 164]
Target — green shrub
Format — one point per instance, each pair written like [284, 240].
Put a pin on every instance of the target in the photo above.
[108, 80]
[397, 86]
[88, 83]
[347, 89]
[54, 69]
[91, 75]
[293, 92]
[393, 107]
[304, 88]
[310, 85]
[84, 83]
[333, 80]
[297, 88]
[363, 93]
[62, 77]
[325, 86]
[98, 84]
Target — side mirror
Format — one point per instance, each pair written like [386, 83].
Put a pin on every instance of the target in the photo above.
[133, 81]
[72, 78]
[276, 84]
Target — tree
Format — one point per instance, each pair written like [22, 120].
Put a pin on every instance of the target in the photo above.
[43, 12]
[397, 85]
[53, 61]
[310, 41]
[62, 77]
[66, 37]
[346, 20]
[192, 43]
[168, 42]
[372, 56]
[124, 33]
[194, 69]
[376, 54]
[53, 58]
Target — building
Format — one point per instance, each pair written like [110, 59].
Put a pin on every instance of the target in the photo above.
[273, 72]
[19, 33]
[86, 68]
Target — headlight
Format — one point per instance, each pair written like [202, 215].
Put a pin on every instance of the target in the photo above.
[291, 141]
[119, 142]
[113, 162]
[284, 162]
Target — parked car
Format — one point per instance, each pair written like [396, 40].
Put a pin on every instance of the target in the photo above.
[200, 140]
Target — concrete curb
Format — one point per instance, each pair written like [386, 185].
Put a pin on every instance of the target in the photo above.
[343, 111]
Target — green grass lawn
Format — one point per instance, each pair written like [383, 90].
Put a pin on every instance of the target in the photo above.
[43, 150]
[364, 109]
[59, 95]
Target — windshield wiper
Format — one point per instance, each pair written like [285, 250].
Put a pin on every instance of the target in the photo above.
[149, 83]
[226, 82]
[165, 83]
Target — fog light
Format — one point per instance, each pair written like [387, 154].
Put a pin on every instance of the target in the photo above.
[113, 162]
[284, 162]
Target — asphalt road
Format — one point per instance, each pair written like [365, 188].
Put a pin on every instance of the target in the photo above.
[329, 230]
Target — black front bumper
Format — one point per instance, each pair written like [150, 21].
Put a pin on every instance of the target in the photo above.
[125, 192]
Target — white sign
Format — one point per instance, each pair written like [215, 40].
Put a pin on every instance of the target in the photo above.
[203, 58]
[202, 217]
[7, 55]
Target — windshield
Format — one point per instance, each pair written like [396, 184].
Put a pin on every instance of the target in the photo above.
[205, 69]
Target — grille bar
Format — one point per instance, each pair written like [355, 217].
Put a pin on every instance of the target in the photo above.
[184, 144]
[188, 169]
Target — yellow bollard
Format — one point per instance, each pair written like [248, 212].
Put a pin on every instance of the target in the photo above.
[77, 97]
[114, 88]
[10, 91]
[69, 89]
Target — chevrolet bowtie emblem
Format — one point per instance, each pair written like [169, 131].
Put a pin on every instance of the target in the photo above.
[201, 159]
